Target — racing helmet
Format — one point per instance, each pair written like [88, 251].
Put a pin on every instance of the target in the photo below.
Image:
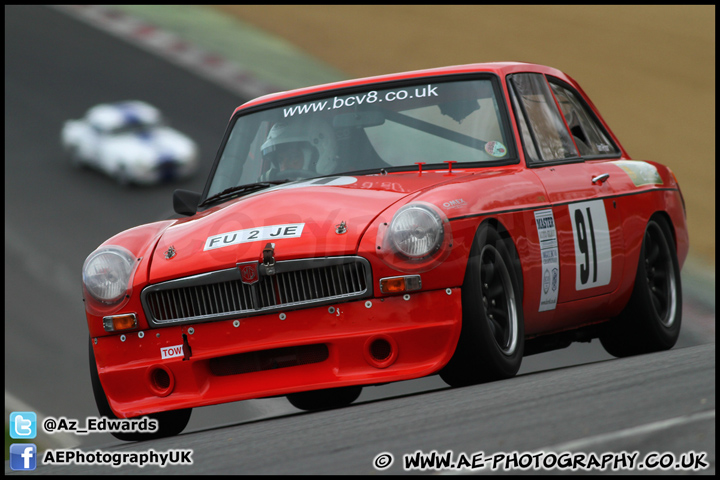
[314, 136]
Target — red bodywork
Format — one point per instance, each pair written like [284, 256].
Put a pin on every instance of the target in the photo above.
[422, 327]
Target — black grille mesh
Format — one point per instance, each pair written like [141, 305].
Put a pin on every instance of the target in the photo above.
[285, 289]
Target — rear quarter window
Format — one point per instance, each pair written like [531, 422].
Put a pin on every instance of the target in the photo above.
[587, 132]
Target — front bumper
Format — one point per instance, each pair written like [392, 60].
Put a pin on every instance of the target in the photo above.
[364, 342]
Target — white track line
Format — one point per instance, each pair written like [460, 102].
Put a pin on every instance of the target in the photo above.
[588, 442]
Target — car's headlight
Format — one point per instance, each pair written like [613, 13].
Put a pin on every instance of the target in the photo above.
[417, 239]
[416, 231]
[107, 273]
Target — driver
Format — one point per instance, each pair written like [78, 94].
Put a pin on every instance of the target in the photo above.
[299, 148]
[290, 156]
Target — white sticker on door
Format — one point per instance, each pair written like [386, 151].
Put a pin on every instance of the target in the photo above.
[545, 223]
[593, 253]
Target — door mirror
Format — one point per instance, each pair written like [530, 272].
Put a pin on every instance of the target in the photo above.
[186, 202]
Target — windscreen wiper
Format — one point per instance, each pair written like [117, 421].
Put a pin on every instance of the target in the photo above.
[239, 189]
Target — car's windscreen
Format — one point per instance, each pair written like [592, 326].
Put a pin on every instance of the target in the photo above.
[429, 122]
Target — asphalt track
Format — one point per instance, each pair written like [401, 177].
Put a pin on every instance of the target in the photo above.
[56, 67]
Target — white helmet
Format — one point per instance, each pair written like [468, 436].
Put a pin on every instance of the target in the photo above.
[314, 136]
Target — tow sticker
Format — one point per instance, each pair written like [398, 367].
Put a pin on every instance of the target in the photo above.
[171, 352]
[545, 223]
[271, 232]
[593, 253]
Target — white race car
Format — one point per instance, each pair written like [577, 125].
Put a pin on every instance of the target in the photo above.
[129, 141]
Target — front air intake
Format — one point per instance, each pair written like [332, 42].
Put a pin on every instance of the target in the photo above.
[268, 359]
[160, 380]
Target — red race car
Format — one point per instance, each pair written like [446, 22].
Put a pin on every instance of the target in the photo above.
[447, 221]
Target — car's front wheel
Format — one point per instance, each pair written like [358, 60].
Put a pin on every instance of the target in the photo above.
[492, 338]
[169, 423]
[325, 399]
[651, 320]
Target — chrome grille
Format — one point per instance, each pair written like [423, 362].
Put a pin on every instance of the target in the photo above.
[222, 294]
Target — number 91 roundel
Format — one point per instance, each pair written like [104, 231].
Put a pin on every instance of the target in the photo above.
[593, 253]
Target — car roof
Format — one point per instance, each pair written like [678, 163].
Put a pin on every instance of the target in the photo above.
[499, 68]
[109, 116]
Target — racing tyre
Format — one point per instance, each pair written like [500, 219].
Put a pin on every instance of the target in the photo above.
[492, 338]
[325, 399]
[169, 423]
[651, 320]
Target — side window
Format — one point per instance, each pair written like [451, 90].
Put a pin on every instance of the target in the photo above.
[587, 133]
[524, 131]
[547, 129]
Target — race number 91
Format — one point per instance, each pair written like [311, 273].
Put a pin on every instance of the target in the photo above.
[593, 254]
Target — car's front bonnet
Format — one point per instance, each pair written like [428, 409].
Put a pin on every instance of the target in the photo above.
[314, 218]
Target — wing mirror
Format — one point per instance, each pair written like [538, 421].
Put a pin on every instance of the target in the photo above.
[186, 202]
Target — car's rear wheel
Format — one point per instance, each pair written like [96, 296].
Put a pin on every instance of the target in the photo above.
[492, 338]
[651, 320]
[169, 423]
[325, 399]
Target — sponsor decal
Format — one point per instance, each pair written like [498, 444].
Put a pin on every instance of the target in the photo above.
[313, 182]
[271, 232]
[457, 203]
[603, 147]
[354, 101]
[545, 222]
[593, 252]
[641, 173]
[317, 182]
[496, 149]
